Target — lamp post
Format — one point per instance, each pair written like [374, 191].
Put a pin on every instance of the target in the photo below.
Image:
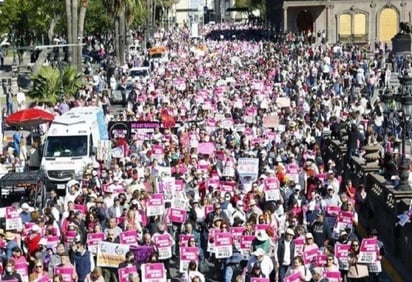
[404, 105]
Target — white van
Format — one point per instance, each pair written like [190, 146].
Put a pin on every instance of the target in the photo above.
[71, 143]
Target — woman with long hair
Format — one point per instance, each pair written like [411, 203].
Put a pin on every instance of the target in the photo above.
[357, 272]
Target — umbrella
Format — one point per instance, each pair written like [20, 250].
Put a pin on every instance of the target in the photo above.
[29, 118]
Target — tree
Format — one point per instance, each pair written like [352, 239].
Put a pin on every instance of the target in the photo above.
[123, 12]
[49, 81]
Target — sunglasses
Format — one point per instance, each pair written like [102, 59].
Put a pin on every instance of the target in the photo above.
[39, 266]
[355, 245]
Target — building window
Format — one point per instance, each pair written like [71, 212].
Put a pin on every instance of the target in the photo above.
[388, 24]
[352, 27]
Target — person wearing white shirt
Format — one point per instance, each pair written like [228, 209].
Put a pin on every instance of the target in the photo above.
[265, 261]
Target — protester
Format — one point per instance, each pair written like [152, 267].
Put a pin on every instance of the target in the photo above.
[229, 133]
[10, 272]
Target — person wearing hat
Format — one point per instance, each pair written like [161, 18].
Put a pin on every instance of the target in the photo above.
[285, 252]
[317, 275]
[254, 208]
[217, 213]
[266, 265]
[11, 243]
[319, 229]
[309, 242]
[25, 214]
[331, 198]
[261, 241]
[255, 273]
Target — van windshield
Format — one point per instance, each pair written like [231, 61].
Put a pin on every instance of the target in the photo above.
[66, 146]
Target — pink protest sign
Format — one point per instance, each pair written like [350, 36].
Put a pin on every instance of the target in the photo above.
[271, 188]
[368, 251]
[53, 241]
[246, 245]
[299, 243]
[163, 243]
[332, 210]
[120, 220]
[66, 272]
[68, 239]
[22, 268]
[179, 185]
[223, 245]
[209, 209]
[260, 227]
[93, 240]
[203, 166]
[321, 260]
[237, 232]
[345, 217]
[292, 168]
[186, 255]
[256, 279]
[124, 273]
[332, 276]
[206, 148]
[13, 219]
[295, 277]
[309, 255]
[158, 149]
[44, 278]
[341, 253]
[80, 208]
[155, 205]
[177, 215]
[227, 186]
[215, 183]
[184, 239]
[128, 237]
[153, 272]
[27, 227]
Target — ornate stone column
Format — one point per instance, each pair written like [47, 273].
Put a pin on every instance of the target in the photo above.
[329, 24]
[373, 23]
[285, 19]
[403, 9]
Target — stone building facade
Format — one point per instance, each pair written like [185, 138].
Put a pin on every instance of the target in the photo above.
[341, 20]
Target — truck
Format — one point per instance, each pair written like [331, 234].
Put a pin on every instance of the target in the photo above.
[71, 144]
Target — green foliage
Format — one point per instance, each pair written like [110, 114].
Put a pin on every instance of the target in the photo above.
[47, 83]
[98, 20]
[27, 21]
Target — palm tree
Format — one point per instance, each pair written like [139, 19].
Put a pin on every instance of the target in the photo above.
[123, 12]
[49, 81]
[82, 16]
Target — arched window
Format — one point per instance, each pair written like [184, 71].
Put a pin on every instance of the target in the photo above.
[388, 24]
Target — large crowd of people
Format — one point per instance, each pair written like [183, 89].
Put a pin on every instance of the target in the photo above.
[227, 176]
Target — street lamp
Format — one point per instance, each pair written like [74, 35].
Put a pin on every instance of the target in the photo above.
[404, 105]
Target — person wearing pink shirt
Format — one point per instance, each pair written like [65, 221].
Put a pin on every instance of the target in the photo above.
[17, 256]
